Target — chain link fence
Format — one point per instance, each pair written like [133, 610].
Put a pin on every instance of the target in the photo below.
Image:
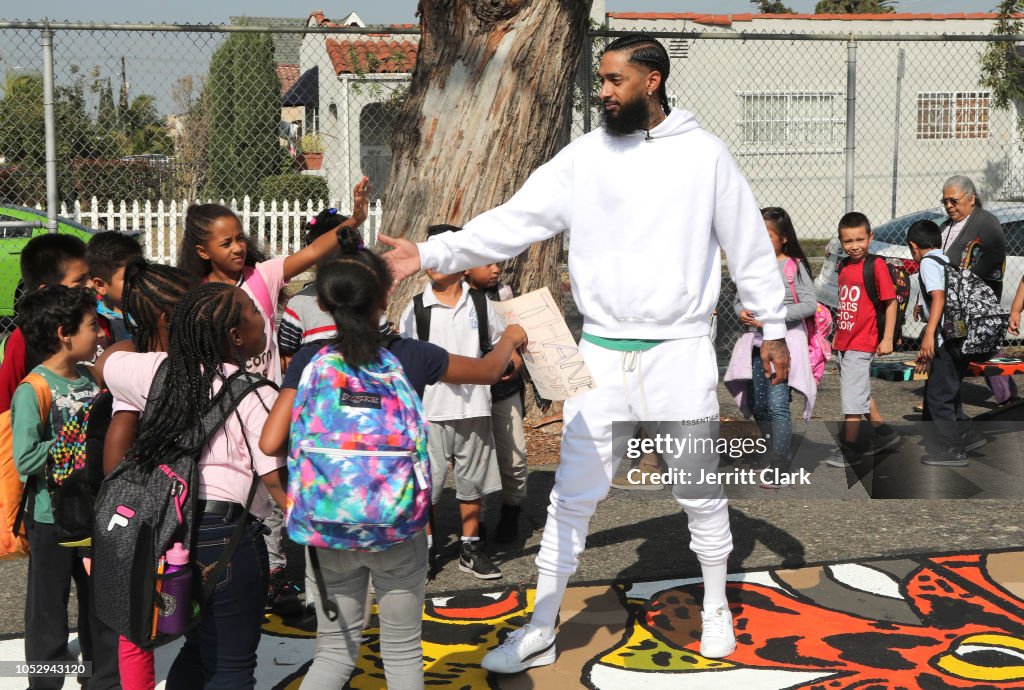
[279, 120]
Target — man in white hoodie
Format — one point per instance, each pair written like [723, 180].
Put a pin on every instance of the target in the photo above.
[649, 198]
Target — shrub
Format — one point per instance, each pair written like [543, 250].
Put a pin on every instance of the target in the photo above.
[310, 143]
[292, 187]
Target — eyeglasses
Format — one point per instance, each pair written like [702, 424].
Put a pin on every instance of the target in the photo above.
[951, 201]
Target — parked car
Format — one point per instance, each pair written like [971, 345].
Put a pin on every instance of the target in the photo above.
[12, 240]
[890, 240]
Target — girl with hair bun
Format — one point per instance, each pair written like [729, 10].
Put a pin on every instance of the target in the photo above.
[353, 288]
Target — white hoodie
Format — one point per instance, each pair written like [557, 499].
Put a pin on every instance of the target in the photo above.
[647, 219]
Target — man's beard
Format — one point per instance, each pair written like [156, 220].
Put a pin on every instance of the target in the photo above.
[632, 117]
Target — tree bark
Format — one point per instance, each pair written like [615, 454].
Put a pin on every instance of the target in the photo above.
[490, 101]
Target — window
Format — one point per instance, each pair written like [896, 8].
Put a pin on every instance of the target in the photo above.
[311, 120]
[952, 115]
[802, 120]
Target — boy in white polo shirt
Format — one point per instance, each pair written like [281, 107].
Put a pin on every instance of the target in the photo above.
[459, 416]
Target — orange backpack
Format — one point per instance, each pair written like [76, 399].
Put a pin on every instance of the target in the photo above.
[13, 542]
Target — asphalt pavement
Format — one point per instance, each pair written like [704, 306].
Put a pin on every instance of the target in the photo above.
[643, 534]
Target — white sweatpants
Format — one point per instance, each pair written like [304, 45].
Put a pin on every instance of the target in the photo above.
[675, 380]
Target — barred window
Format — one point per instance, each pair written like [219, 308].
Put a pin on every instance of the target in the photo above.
[801, 120]
[952, 115]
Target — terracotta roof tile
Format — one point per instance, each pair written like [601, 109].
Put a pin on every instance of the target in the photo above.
[374, 56]
[288, 75]
[728, 19]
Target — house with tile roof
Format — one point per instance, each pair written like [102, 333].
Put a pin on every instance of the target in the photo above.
[780, 105]
[361, 78]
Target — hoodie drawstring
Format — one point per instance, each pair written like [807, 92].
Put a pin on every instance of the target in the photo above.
[632, 360]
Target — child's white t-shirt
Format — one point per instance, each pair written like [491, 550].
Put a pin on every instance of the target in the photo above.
[269, 363]
[454, 329]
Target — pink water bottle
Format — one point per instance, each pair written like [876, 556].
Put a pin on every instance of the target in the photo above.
[175, 593]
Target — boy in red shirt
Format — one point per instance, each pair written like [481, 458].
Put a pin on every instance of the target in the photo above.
[862, 331]
[46, 260]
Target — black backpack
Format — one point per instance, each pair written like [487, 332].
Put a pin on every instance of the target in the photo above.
[972, 313]
[73, 471]
[141, 513]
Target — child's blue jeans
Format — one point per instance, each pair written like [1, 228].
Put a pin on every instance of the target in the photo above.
[770, 407]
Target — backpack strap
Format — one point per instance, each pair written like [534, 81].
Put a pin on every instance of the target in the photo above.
[422, 315]
[872, 292]
[44, 399]
[254, 279]
[483, 328]
[329, 605]
[869, 278]
[790, 271]
[234, 391]
[920, 280]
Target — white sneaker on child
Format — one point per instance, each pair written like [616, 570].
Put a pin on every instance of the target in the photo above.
[717, 638]
[522, 649]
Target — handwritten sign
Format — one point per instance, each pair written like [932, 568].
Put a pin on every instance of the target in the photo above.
[551, 356]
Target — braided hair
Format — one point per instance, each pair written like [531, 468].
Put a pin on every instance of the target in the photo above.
[198, 220]
[352, 288]
[200, 342]
[647, 51]
[151, 290]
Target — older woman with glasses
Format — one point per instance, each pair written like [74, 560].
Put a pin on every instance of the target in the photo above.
[973, 238]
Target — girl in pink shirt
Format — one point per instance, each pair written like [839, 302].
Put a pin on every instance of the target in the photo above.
[215, 329]
[151, 293]
[215, 248]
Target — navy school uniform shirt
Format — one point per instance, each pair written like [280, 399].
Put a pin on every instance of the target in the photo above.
[424, 363]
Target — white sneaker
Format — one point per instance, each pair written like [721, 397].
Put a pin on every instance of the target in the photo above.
[523, 649]
[717, 638]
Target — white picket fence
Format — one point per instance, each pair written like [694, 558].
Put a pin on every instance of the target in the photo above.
[161, 223]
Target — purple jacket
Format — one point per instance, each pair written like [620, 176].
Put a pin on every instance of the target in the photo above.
[738, 375]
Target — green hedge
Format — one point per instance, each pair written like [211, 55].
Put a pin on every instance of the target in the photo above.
[292, 187]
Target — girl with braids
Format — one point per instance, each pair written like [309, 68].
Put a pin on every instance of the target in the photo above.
[649, 194]
[214, 248]
[149, 295]
[214, 330]
[353, 289]
[755, 395]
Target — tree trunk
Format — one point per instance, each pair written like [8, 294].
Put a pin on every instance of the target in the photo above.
[490, 101]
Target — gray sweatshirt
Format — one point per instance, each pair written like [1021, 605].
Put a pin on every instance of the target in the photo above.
[795, 311]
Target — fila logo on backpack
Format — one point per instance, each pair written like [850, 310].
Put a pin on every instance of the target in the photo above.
[358, 473]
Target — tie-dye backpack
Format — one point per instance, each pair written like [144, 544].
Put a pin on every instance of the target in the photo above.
[358, 472]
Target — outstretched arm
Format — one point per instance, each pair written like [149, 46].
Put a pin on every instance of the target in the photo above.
[274, 439]
[327, 243]
[488, 369]
[539, 210]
